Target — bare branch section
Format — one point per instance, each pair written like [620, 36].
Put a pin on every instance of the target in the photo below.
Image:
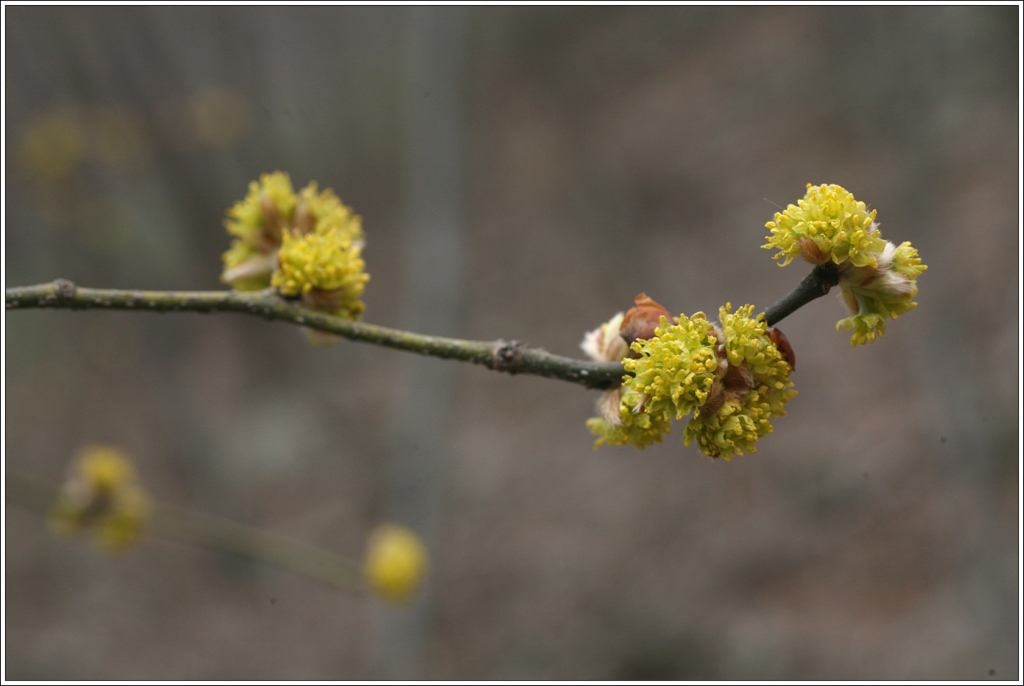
[511, 357]
[816, 284]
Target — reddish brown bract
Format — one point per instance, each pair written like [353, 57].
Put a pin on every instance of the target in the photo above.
[641, 320]
[785, 349]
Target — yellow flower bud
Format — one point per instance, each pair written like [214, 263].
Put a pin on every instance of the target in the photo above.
[396, 563]
[604, 344]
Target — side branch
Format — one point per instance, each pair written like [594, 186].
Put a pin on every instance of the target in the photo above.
[816, 284]
[512, 357]
[212, 532]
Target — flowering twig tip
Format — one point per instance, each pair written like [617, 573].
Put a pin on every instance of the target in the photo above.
[878, 279]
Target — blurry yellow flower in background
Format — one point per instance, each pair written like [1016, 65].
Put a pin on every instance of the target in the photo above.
[220, 117]
[101, 496]
[117, 136]
[53, 146]
[395, 564]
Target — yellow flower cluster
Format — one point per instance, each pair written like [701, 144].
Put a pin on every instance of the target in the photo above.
[732, 377]
[271, 214]
[102, 496]
[828, 224]
[753, 389]
[325, 268]
[875, 294]
[395, 563]
[878, 279]
[619, 425]
[306, 244]
[676, 368]
[257, 224]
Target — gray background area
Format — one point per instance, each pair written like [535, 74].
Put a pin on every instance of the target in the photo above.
[522, 173]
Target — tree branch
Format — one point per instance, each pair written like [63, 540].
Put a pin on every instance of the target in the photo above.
[512, 357]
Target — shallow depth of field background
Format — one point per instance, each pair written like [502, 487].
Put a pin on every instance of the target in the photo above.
[522, 173]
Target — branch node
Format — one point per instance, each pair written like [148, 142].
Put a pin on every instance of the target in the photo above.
[64, 289]
[508, 356]
[828, 275]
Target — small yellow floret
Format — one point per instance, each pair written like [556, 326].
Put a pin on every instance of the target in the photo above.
[396, 563]
[327, 211]
[269, 205]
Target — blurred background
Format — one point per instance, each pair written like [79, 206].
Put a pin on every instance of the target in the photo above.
[522, 172]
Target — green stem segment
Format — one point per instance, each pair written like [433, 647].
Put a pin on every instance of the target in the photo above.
[212, 532]
[512, 357]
